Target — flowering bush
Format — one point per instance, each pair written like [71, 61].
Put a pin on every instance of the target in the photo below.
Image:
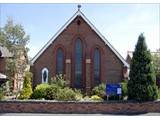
[96, 98]
[99, 90]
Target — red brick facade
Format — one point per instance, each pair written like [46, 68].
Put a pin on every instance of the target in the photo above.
[111, 67]
[2, 65]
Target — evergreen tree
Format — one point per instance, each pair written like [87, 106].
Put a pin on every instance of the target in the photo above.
[27, 86]
[142, 83]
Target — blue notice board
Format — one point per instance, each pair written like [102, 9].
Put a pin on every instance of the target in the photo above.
[113, 89]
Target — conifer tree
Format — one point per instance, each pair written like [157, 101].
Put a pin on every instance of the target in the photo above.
[27, 86]
[142, 83]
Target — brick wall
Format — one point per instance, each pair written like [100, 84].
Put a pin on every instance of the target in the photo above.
[78, 107]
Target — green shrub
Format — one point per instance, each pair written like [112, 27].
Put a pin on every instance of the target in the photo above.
[79, 95]
[40, 91]
[59, 81]
[1, 93]
[27, 87]
[96, 98]
[124, 89]
[99, 90]
[57, 90]
[66, 94]
[51, 92]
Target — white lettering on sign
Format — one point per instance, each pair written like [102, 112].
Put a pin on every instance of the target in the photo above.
[119, 91]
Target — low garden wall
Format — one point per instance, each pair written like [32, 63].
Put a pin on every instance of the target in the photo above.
[110, 107]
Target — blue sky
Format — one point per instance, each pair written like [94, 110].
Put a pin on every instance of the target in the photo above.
[119, 23]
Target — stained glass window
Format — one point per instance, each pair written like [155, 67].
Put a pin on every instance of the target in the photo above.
[96, 66]
[78, 63]
[60, 61]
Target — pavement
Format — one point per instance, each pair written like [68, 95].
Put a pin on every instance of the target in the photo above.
[46, 114]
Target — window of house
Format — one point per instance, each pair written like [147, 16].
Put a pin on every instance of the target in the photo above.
[60, 62]
[96, 66]
[78, 63]
[45, 75]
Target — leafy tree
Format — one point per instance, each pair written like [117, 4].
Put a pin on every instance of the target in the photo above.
[142, 83]
[15, 39]
[27, 86]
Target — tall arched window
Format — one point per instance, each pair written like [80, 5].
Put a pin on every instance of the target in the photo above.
[78, 63]
[60, 62]
[96, 66]
[45, 75]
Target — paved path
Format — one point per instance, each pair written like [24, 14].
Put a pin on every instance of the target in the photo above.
[42, 114]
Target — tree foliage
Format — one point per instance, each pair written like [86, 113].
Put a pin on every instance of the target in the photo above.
[13, 34]
[27, 86]
[1, 93]
[156, 62]
[142, 83]
[124, 89]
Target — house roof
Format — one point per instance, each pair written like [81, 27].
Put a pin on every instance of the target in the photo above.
[79, 13]
[130, 54]
[2, 76]
[4, 52]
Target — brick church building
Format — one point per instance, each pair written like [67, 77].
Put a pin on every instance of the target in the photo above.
[81, 53]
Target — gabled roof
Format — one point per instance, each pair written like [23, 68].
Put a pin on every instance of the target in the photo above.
[79, 13]
[4, 52]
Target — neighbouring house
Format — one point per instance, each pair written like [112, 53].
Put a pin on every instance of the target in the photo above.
[4, 54]
[22, 66]
[130, 55]
[81, 53]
